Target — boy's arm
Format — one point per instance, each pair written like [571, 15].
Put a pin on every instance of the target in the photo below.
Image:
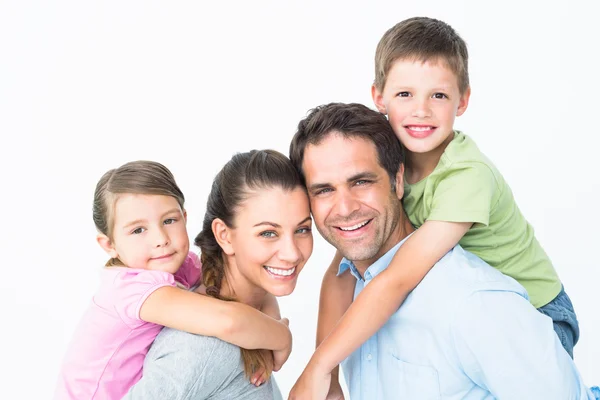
[337, 293]
[230, 321]
[381, 298]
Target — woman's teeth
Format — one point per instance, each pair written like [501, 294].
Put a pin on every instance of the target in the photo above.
[281, 272]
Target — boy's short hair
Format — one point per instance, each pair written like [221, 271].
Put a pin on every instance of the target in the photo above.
[423, 39]
[351, 121]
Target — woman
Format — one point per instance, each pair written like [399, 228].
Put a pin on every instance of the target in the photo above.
[255, 239]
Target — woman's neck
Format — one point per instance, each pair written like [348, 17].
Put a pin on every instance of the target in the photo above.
[420, 165]
[234, 285]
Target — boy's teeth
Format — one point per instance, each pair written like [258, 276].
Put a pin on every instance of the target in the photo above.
[282, 272]
[354, 227]
[420, 128]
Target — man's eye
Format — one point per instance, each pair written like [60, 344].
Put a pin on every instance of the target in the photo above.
[439, 96]
[138, 231]
[322, 191]
[268, 234]
[361, 182]
[170, 221]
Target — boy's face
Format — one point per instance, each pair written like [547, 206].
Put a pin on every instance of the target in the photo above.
[421, 101]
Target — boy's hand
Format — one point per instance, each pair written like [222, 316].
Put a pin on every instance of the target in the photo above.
[281, 356]
[312, 385]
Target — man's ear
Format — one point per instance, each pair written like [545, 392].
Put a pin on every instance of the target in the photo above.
[464, 102]
[107, 245]
[378, 99]
[400, 182]
[223, 235]
[185, 216]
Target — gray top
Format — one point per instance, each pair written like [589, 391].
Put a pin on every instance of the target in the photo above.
[181, 365]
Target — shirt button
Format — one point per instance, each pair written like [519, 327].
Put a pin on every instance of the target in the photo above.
[369, 357]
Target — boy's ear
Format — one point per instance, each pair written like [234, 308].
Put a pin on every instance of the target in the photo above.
[107, 245]
[464, 102]
[223, 235]
[378, 99]
[400, 182]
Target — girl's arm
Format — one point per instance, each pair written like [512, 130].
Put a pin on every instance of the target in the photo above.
[229, 321]
[381, 298]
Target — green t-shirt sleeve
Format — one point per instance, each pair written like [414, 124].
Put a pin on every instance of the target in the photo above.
[464, 194]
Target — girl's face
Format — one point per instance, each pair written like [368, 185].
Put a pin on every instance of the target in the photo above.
[272, 240]
[148, 233]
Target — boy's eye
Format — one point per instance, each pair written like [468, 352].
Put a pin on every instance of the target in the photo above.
[439, 96]
[138, 231]
[403, 94]
[170, 221]
[268, 234]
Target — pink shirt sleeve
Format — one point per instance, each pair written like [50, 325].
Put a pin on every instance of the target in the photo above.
[131, 287]
[190, 272]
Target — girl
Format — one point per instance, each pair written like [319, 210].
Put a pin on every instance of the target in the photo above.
[140, 217]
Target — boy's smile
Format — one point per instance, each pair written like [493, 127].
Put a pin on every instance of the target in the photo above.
[421, 99]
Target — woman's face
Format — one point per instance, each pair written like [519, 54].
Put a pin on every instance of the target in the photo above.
[272, 239]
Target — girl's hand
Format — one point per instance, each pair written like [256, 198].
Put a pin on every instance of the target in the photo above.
[260, 376]
[281, 356]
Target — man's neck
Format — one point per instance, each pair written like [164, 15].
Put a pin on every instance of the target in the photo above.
[399, 233]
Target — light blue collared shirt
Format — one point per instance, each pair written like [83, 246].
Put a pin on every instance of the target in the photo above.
[465, 332]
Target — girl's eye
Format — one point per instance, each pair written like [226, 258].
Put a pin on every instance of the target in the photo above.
[138, 231]
[303, 230]
[439, 96]
[170, 221]
[268, 234]
[403, 94]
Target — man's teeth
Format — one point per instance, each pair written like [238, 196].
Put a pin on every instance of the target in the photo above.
[354, 227]
[282, 272]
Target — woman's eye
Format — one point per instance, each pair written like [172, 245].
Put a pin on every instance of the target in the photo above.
[268, 234]
[303, 230]
[170, 221]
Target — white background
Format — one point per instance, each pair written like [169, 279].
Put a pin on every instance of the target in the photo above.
[86, 86]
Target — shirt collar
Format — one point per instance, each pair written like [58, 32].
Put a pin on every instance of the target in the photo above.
[375, 268]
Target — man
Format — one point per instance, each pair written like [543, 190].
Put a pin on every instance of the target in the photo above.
[466, 331]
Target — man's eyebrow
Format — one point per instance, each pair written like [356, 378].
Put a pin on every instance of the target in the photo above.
[317, 186]
[362, 175]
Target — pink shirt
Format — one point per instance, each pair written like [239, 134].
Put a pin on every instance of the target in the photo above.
[107, 352]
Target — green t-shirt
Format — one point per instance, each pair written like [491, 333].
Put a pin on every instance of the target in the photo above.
[466, 187]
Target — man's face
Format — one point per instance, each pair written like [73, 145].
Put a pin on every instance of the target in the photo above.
[351, 197]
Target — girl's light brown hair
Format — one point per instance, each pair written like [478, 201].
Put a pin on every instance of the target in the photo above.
[243, 174]
[136, 177]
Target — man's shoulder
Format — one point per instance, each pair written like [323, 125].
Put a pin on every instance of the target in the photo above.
[461, 273]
